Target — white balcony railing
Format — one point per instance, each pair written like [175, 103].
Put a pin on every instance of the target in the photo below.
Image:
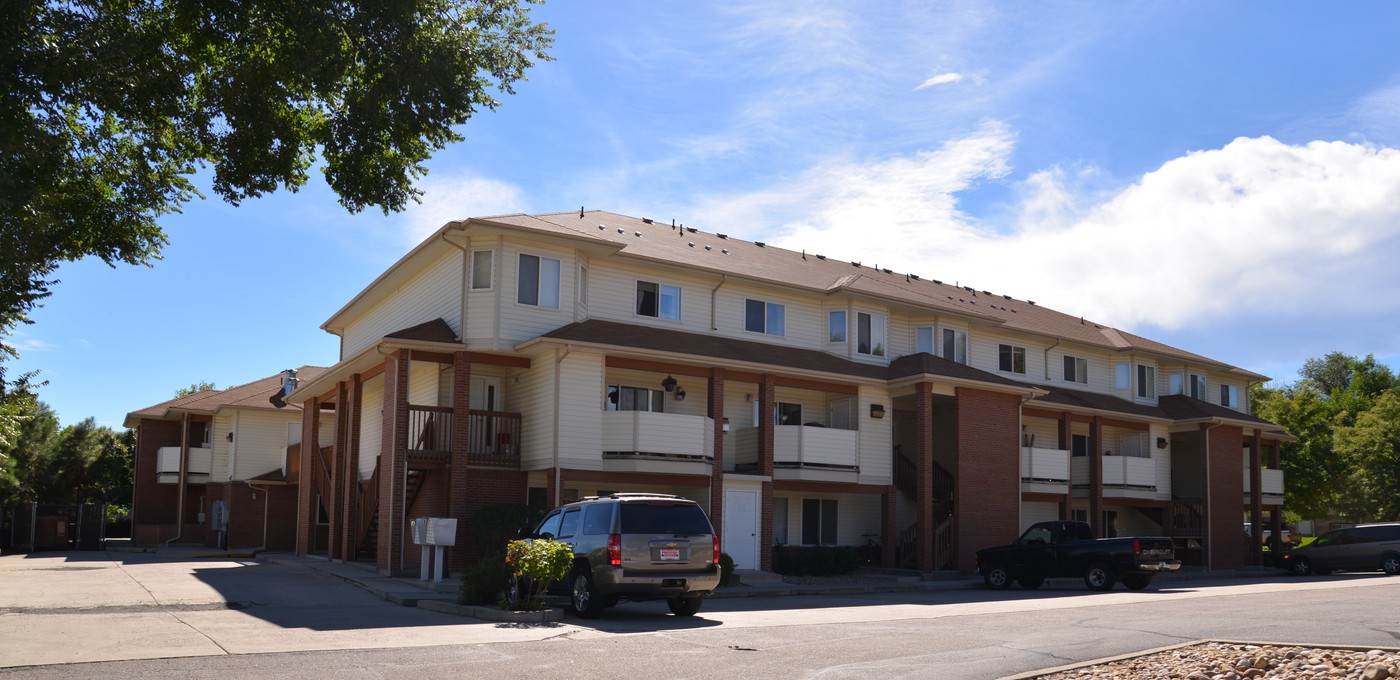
[1050, 465]
[168, 461]
[1119, 472]
[671, 434]
[1271, 483]
[805, 445]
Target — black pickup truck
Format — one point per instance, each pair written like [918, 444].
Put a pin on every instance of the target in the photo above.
[1066, 549]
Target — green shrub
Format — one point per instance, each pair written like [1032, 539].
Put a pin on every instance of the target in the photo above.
[540, 560]
[482, 584]
[726, 569]
[815, 560]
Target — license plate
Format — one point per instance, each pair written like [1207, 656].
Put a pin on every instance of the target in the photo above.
[670, 553]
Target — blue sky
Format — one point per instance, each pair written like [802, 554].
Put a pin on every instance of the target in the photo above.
[1222, 177]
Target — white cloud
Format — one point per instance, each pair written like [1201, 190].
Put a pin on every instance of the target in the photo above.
[448, 197]
[1258, 236]
[940, 79]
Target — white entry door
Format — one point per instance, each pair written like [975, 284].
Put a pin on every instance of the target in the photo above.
[485, 396]
[741, 527]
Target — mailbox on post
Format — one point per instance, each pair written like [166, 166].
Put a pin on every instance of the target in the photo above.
[439, 532]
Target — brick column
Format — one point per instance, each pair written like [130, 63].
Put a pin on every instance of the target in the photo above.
[393, 453]
[1096, 477]
[1066, 444]
[923, 466]
[306, 481]
[350, 480]
[889, 531]
[1256, 501]
[988, 472]
[335, 509]
[459, 475]
[1276, 516]
[1224, 495]
[714, 408]
[766, 392]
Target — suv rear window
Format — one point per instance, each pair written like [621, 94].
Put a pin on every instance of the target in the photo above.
[664, 518]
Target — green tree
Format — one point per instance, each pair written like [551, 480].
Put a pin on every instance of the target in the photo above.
[1310, 464]
[194, 387]
[108, 109]
[1371, 448]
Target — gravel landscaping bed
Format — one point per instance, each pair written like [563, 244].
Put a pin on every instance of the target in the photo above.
[1232, 661]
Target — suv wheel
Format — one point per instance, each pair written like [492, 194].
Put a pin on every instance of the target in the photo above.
[1302, 566]
[684, 606]
[584, 599]
[1390, 564]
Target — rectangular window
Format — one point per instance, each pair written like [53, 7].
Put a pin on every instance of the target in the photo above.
[1174, 384]
[780, 521]
[583, 285]
[818, 521]
[870, 334]
[787, 414]
[764, 317]
[1122, 375]
[1076, 369]
[481, 269]
[836, 326]
[955, 345]
[624, 398]
[843, 413]
[1011, 359]
[538, 281]
[1147, 381]
[923, 339]
[1079, 445]
[1197, 386]
[658, 300]
[1230, 396]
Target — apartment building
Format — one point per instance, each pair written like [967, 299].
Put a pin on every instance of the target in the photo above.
[801, 399]
[219, 467]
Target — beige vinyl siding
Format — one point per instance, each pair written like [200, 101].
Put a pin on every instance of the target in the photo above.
[484, 305]
[259, 440]
[523, 322]
[613, 295]
[1163, 458]
[1100, 369]
[900, 339]
[219, 470]
[804, 322]
[533, 397]
[423, 383]
[985, 352]
[876, 438]
[371, 424]
[1038, 511]
[856, 514]
[694, 403]
[581, 411]
[434, 293]
[1045, 431]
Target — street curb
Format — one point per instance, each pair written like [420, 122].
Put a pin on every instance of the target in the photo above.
[1031, 675]
[492, 613]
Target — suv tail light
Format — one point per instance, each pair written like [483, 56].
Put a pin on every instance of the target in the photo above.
[716, 537]
[615, 550]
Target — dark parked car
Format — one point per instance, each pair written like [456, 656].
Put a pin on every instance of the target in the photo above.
[632, 546]
[1067, 549]
[1365, 547]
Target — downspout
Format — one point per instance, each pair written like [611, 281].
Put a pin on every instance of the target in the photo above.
[180, 504]
[723, 279]
[1205, 458]
[558, 474]
[265, 494]
[466, 263]
[1047, 359]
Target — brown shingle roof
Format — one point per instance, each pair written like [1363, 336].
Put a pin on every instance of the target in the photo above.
[436, 330]
[248, 395]
[1182, 407]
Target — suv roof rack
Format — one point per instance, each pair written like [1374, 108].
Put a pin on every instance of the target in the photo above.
[630, 494]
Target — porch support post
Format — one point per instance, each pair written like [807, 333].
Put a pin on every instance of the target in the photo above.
[458, 470]
[335, 509]
[393, 455]
[1256, 500]
[889, 530]
[1276, 515]
[766, 394]
[1096, 477]
[923, 459]
[1066, 444]
[349, 480]
[714, 409]
[306, 485]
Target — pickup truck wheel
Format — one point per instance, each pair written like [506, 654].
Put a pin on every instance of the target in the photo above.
[1390, 564]
[996, 577]
[1030, 583]
[1100, 576]
[1302, 566]
[684, 606]
[1136, 581]
[584, 599]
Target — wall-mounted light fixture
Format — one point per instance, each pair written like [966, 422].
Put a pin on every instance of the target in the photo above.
[1161, 442]
[680, 394]
[669, 384]
[230, 435]
[725, 428]
[877, 410]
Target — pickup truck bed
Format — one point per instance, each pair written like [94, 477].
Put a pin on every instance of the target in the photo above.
[1066, 549]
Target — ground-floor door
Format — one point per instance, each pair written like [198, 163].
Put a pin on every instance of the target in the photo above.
[740, 529]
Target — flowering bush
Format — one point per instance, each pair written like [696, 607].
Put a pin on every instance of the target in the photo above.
[536, 563]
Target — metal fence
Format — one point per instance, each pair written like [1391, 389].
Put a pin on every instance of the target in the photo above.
[33, 527]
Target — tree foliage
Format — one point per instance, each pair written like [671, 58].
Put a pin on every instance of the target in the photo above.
[82, 463]
[1345, 412]
[108, 108]
[194, 387]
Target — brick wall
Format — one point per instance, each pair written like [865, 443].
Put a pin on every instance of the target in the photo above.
[153, 504]
[1226, 493]
[987, 474]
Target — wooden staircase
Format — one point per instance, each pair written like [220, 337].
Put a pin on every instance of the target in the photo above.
[906, 479]
[368, 546]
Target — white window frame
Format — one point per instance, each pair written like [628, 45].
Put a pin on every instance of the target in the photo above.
[1006, 358]
[771, 310]
[924, 340]
[872, 334]
[662, 292]
[1122, 375]
[1175, 383]
[1076, 369]
[1197, 386]
[958, 351]
[655, 399]
[1147, 381]
[583, 284]
[1229, 395]
[836, 331]
[489, 267]
[546, 296]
